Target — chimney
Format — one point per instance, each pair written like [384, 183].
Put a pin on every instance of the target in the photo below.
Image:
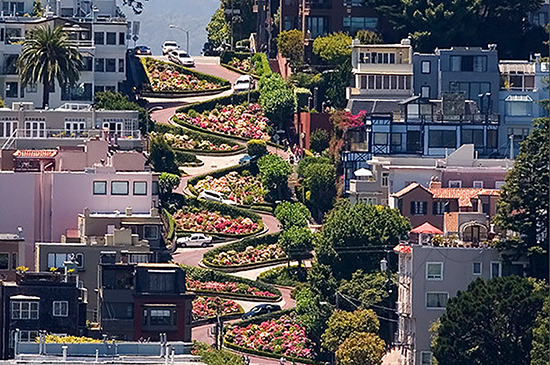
[128, 211]
[435, 183]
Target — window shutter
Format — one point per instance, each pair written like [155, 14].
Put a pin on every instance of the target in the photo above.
[434, 208]
[413, 211]
[424, 207]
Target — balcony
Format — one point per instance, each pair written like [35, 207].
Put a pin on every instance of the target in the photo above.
[364, 186]
[64, 134]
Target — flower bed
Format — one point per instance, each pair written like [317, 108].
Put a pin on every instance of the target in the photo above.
[207, 307]
[169, 78]
[196, 220]
[244, 189]
[251, 255]
[245, 121]
[186, 142]
[229, 287]
[241, 65]
[282, 336]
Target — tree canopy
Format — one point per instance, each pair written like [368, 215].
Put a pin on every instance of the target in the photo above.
[319, 140]
[356, 237]
[292, 215]
[342, 324]
[161, 156]
[333, 48]
[217, 29]
[361, 349]
[109, 100]
[523, 203]
[296, 242]
[290, 44]
[276, 99]
[274, 173]
[489, 323]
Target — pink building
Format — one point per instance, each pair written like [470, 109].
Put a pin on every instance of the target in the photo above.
[44, 191]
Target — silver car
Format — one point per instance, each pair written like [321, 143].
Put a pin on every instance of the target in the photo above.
[196, 239]
[181, 58]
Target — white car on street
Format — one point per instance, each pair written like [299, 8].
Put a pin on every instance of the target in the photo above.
[169, 46]
[216, 197]
[244, 83]
[196, 239]
[181, 58]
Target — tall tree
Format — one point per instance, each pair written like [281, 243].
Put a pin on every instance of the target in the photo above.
[334, 48]
[319, 180]
[361, 349]
[290, 43]
[217, 29]
[48, 56]
[162, 157]
[489, 323]
[292, 215]
[342, 324]
[274, 173]
[523, 203]
[541, 346]
[296, 242]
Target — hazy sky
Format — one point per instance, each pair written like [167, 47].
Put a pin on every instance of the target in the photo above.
[157, 15]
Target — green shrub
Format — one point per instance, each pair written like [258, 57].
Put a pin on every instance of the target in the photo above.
[184, 157]
[285, 276]
[227, 56]
[261, 64]
[319, 140]
[256, 148]
[211, 356]
[302, 97]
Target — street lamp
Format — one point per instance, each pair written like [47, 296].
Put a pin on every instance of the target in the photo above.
[186, 33]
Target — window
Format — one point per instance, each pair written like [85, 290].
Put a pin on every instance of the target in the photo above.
[455, 63]
[473, 136]
[24, 336]
[436, 300]
[354, 24]
[61, 308]
[480, 64]
[434, 271]
[100, 187]
[151, 232]
[419, 208]
[121, 65]
[456, 184]
[111, 38]
[426, 67]
[492, 138]
[518, 108]
[161, 282]
[425, 358]
[317, 26]
[24, 310]
[439, 208]
[396, 139]
[425, 91]
[385, 179]
[442, 139]
[162, 317]
[119, 187]
[56, 260]
[99, 65]
[14, 263]
[110, 65]
[140, 188]
[31, 88]
[99, 38]
[380, 138]
[289, 22]
[138, 258]
[499, 184]
[478, 184]
[10, 64]
[121, 38]
[476, 269]
[4, 261]
[155, 188]
[11, 89]
[496, 269]
[369, 200]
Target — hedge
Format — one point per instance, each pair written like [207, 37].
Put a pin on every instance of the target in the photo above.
[227, 56]
[204, 275]
[171, 225]
[261, 64]
[233, 99]
[224, 84]
[224, 209]
[196, 135]
[240, 246]
[182, 157]
[259, 320]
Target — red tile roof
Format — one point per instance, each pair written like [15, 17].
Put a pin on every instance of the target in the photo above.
[402, 248]
[408, 189]
[35, 153]
[464, 195]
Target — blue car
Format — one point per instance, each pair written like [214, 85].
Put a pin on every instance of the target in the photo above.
[245, 159]
[261, 309]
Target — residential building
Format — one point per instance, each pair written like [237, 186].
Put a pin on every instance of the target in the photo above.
[417, 127]
[428, 276]
[43, 301]
[130, 237]
[460, 169]
[12, 254]
[54, 186]
[321, 17]
[99, 35]
[381, 71]
[465, 212]
[523, 85]
[139, 301]
[24, 127]
[472, 71]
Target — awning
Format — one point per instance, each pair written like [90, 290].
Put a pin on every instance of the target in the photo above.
[363, 173]
[522, 98]
[426, 228]
[23, 297]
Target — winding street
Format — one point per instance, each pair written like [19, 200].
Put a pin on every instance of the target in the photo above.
[193, 256]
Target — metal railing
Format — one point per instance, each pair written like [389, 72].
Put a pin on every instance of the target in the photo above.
[62, 134]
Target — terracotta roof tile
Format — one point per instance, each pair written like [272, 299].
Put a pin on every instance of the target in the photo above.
[35, 153]
[464, 195]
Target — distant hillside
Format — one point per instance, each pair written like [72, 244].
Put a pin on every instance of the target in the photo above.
[157, 15]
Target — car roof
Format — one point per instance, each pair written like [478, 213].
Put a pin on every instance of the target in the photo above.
[244, 78]
[170, 42]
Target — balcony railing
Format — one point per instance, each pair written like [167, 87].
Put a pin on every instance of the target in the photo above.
[64, 134]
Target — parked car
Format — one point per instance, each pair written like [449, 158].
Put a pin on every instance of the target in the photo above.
[244, 83]
[169, 46]
[261, 309]
[143, 50]
[208, 49]
[196, 239]
[181, 58]
[215, 196]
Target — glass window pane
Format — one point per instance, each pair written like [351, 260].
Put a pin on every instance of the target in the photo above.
[119, 187]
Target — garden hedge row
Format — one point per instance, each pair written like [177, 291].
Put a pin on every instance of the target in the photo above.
[166, 128]
[227, 56]
[204, 275]
[224, 84]
[257, 320]
[260, 62]
[224, 209]
[240, 246]
[234, 99]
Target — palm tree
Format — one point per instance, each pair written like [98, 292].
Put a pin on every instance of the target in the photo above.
[47, 56]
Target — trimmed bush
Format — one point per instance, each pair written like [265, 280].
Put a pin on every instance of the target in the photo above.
[205, 275]
[184, 157]
[319, 140]
[261, 64]
[240, 246]
[233, 99]
[227, 56]
[256, 148]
